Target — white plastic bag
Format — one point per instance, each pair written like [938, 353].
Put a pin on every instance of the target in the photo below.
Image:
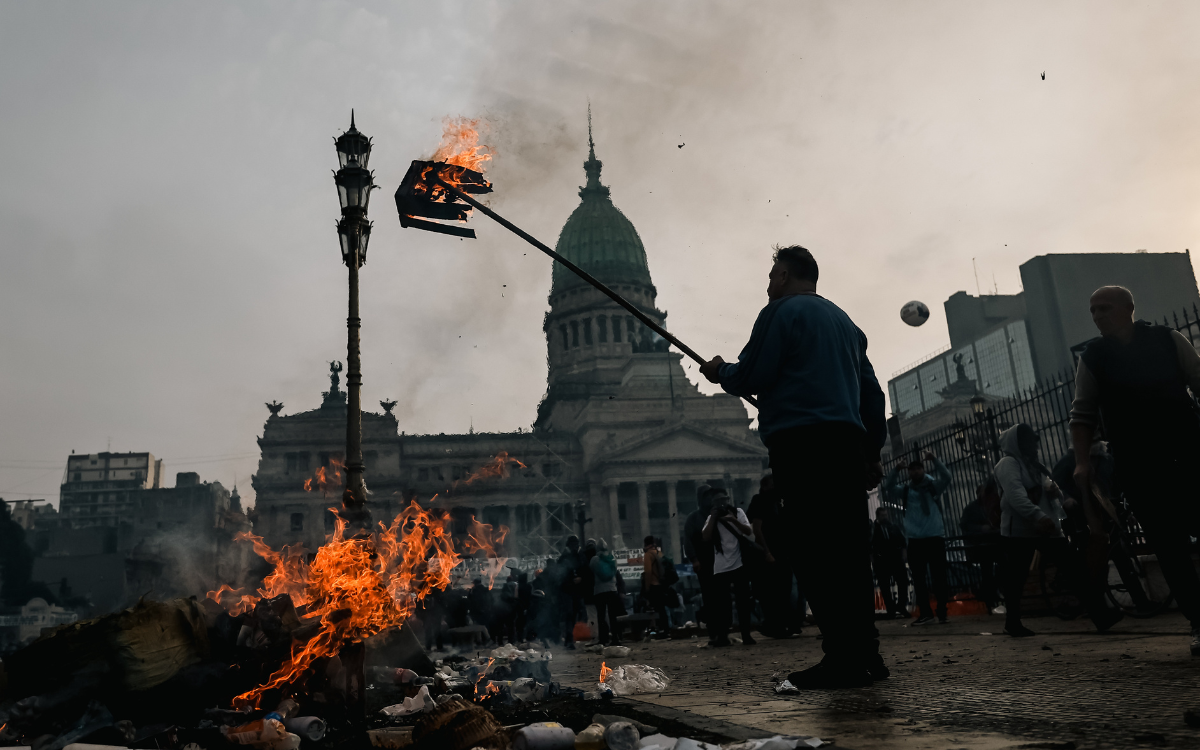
[631, 679]
[420, 702]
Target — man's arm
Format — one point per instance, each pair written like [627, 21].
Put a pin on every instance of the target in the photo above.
[941, 473]
[1085, 411]
[871, 404]
[762, 540]
[1008, 476]
[1189, 361]
[710, 527]
[758, 365]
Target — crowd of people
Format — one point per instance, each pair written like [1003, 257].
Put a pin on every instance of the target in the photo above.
[806, 539]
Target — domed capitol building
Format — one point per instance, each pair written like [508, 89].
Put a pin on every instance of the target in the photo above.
[621, 439]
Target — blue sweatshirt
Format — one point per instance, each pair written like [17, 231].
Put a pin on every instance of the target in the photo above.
[807, 363]
[922, 501]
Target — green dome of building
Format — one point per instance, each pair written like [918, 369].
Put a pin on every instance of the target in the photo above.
[599, 238]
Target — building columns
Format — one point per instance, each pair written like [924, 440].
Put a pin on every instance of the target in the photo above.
[643, 510]
[673, 521]
[614, 515]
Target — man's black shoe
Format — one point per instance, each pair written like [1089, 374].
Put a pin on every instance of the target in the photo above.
[877, 669]
[747, 640]
[721, 642]
[1017, 630]
[824, 677]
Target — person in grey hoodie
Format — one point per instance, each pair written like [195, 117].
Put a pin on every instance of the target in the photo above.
[1031, 515]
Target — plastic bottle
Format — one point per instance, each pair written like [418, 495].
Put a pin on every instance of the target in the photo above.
[311, 728]
[547, 735]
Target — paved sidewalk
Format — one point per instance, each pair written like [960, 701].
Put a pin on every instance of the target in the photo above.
[960, 685]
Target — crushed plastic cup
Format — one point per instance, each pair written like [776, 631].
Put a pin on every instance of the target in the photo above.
[615, 652]
[526, 689]
[632, 679]
[591, 738]
[311, 728]
[621, 735]
[419, 703]
[267, 733]
[547, 735]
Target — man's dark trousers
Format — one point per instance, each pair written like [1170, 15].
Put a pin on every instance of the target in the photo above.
[1161, 488]
[929, 555]
[819, 471]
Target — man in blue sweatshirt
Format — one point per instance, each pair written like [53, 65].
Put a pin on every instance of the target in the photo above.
[820, 414]
[921, 498]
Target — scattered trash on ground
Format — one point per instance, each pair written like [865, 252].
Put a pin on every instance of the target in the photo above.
[786, 688]
[631, 679]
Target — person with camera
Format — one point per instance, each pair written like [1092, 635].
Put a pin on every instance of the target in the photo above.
[1031, 516]
[726, 530]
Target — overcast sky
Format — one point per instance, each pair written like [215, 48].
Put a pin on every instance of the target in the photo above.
[167, 209]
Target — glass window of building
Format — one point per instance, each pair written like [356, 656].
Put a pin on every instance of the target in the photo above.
[933, 379]
[907, 399]
[995, 364]
[1018, 342]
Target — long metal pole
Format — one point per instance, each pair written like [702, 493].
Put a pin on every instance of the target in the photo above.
[354, 497]
[581, 274]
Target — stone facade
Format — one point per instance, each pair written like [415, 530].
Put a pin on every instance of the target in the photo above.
[619, 443]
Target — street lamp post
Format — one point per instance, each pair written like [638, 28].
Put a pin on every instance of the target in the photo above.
[354, 184]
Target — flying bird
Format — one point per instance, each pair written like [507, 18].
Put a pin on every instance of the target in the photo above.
[682, 145]
[1043, 75]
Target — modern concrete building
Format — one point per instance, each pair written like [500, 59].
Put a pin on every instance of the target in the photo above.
[172, 541]
[621, 435]
[97, 488]
[1058, 287]
[1008, 343]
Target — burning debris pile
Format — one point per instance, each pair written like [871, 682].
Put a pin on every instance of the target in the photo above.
[273, 667]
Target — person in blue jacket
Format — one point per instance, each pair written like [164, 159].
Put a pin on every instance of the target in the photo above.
[820, 414]
[920, 494]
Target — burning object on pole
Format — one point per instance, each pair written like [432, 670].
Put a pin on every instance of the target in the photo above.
[441, 188]
[419, 195]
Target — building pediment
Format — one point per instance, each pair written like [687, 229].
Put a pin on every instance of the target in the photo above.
[680, 442]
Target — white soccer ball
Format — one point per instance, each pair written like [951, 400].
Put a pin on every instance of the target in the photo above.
[914, 313]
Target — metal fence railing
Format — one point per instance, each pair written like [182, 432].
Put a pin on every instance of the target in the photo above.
[970, 446]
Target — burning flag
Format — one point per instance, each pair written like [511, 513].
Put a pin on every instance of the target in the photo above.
[459, 161]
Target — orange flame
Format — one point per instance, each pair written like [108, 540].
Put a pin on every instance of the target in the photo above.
[460, 145]
[482, 675]
[604, 671]
[325, 481]
[356, 587]
[500, 466]
[481, 539]
[233, 600]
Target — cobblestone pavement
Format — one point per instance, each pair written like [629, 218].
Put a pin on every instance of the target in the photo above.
[964, 684]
